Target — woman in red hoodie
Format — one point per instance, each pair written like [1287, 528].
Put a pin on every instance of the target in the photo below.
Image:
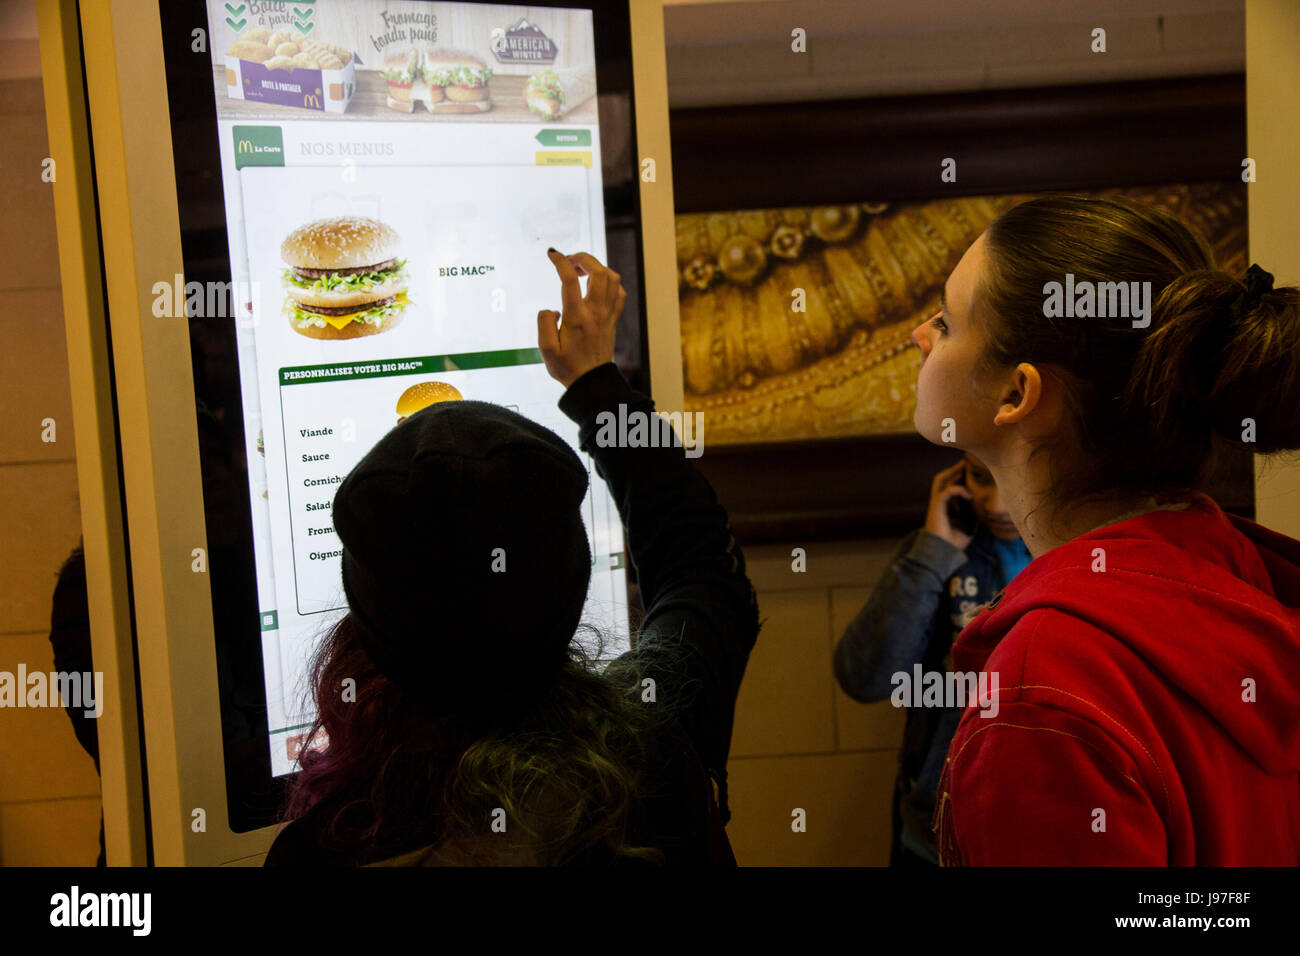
[1148, 659]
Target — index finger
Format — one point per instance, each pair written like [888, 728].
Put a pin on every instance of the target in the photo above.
[589, 263]
[570, 290]
[598, 293]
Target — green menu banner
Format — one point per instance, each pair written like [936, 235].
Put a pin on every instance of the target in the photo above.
[564, 137]
[419, 365]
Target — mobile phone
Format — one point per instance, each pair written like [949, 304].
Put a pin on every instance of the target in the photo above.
[961, 514]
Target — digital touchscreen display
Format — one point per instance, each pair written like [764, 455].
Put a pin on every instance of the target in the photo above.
[392, 174]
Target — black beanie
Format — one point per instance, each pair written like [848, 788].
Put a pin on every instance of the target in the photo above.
[465, 560]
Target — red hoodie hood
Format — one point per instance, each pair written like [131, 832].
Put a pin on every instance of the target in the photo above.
[1199, 594]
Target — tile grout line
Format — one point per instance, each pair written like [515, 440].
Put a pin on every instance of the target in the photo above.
[38, 461]
[14, 803]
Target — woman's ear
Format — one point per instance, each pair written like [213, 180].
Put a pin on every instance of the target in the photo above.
[1021, 397]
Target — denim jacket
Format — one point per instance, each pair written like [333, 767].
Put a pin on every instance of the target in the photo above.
[929, 592]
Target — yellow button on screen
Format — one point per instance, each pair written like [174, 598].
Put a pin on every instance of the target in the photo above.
[562, 158]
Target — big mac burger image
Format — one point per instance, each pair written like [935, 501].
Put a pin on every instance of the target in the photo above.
[344, 278]
[424, 394]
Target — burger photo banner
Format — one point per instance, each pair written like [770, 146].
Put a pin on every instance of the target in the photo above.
[377, 60]
[390, 224]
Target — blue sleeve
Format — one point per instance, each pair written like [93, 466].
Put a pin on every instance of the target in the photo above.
[890, 633]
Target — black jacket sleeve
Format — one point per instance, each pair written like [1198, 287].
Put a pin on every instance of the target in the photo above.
[701, 611]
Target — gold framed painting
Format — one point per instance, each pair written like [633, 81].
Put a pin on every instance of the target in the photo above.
[797, 322]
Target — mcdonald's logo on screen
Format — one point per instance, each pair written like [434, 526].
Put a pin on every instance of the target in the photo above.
[258, 146]
[311, 100]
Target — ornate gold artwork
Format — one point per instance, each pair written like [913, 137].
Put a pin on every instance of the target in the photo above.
[870, 273]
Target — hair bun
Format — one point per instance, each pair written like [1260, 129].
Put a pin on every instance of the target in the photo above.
[1257, 283]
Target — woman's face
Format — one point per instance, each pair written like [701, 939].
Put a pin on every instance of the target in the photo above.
[948, 409]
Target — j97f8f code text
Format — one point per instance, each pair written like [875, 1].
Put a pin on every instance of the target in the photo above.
[1209, 899]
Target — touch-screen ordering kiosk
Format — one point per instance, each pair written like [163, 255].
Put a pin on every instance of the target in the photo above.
[285, 226]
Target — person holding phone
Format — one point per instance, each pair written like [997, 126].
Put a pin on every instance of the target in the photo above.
[937, 579]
